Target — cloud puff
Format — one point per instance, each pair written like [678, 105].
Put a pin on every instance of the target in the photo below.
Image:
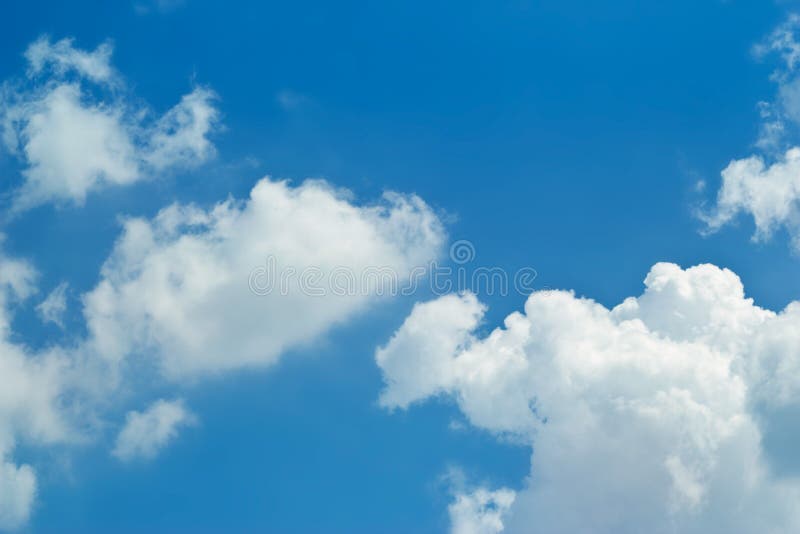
[74, 131]
[770, 194]
[480, 511]
[476, 509]
[146, 433]
[641, 418]
[180, 286]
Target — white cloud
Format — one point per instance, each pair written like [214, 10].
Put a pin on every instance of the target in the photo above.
[417, 366]
[72, 140]
[179, 286]
[17, 492]
[177, 289]
[63, 57]
[772, 131]
[641, 418]
[52, 308]
[770, 194]
[786, 108]
[782, 40]
[480, 511]
[767, 186]
[146, 433]
[476, 510]
[31, 388]
[180, 137]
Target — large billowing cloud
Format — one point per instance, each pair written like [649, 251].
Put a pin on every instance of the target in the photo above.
[240, 283]
[74, 128]
[641, 417]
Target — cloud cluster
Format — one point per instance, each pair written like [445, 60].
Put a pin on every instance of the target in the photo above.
[31, 385]
[74, 130]
[175, 291]
[642, 417]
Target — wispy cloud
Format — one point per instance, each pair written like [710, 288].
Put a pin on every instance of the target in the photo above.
[290, 100]
[53, 308]
[159, 6]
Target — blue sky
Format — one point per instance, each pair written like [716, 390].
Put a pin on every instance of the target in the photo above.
[568, 137]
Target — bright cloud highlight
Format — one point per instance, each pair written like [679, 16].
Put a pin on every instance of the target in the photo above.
[641, 417]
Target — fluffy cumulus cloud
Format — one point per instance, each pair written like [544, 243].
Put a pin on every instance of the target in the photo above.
[240, 283]
[146, 433]
[769, 193]
[74, 130]
[642, 418]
